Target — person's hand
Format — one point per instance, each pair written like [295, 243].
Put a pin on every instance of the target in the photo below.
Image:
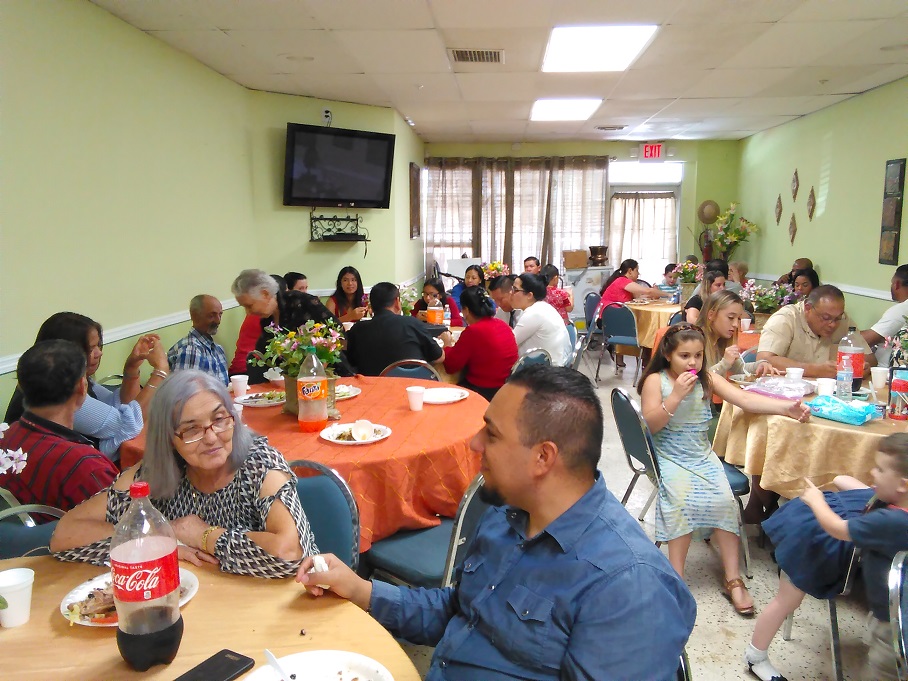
[142, 349]
[189, 529]
[766, 369]
[358, 313]
[798, 411]
[731, 354]
[447, 339]
[339, 578]
[195, 556]
[422, 316]
[812, 494]
[826, 369]
[684, 384]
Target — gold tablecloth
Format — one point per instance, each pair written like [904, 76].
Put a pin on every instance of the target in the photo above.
[784, 451]
[651, 316]
[243, 614]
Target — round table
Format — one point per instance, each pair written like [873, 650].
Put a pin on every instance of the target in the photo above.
[243, 614]
[404, 482]
[649, 317]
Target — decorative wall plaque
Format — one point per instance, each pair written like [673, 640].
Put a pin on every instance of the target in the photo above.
[779, 209]
[793, 228]
[891, 220]
[414, 201]
[811, 204]
[795, 183]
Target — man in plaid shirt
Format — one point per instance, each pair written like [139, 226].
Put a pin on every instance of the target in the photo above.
[198, 350]
[62, 468]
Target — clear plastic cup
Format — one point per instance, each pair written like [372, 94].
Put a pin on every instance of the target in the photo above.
[415, 395]
[16, 588]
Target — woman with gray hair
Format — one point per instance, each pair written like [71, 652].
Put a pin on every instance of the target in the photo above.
[259, 295]
[230, 497]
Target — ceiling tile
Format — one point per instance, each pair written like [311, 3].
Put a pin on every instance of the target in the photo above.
[657, 83]
[866, 49]
[419, 51]
[784, 106]
[741, 123]
[698, 46]
[189, 14]
[297, 51]
[724, 11]
[843, 10]
[216, 49]
[499, 127]
[433, 112]
[640, 108]
[819, 80]
[736, 82]
[497, 87]
[369, 14]
[515, 110]
[419, 87]
[580, 12]
[507, 14]
[699, 108]
[340, 87]
[553, 85]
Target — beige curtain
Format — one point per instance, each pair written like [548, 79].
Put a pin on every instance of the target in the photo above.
[518, 207]
[643, 226]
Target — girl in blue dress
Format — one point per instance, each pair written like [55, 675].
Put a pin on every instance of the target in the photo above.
[694, 493]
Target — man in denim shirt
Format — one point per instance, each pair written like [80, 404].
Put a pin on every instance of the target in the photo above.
[559, 582]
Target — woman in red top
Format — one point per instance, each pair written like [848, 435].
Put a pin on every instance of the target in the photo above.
[622, 286]
[558, 298]
[434, 290]
[486, 349]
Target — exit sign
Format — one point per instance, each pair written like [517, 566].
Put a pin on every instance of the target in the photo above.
[651, 151]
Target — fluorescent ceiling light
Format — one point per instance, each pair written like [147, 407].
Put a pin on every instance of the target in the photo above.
[575, 49]
[564, 109]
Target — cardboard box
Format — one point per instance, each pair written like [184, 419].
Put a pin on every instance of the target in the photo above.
[575, 260]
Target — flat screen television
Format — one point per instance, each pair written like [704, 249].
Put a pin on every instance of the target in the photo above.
[337, 167]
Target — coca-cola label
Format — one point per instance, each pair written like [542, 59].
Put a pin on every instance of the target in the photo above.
[312, 390]
[857, 363]
[133, 582]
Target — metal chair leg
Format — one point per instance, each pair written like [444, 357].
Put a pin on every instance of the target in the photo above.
[744, 543]
[786, 628]
[630, 488]
[601, 354]
[834, 640]
[639, 363]
[649, 502]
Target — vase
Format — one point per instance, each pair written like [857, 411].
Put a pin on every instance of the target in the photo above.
[760, 320]
[687, 290]
[333, 413]
[291, 405]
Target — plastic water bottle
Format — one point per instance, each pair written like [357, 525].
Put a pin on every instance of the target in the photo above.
[434, 313]
[146, 584]
[447, 318]
[312, 394]
[843, 377]
[850, 345]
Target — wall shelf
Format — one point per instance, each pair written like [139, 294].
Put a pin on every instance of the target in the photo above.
[336, 228]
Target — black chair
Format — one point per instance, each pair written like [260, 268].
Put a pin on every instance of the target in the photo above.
[676, 317]
[898, 611]
[411, 368]
[684, 672]
[429, 557]
[331, 510]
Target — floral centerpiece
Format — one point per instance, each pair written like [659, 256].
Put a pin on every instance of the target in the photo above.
[767, 299]
[408, 298]
[495, 269]
[688, 272]
[10, 460]
[729, 231]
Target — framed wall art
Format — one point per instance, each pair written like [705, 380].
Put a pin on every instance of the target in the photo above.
[415, 227]
[891, 218]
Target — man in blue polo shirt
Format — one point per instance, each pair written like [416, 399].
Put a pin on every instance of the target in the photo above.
[559, 582]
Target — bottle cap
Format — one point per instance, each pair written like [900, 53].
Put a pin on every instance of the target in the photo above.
[138, 490]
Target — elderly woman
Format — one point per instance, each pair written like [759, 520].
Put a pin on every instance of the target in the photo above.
[486, 350]
[259, 294]
[540, 325]
[229, 496]
[107, 417]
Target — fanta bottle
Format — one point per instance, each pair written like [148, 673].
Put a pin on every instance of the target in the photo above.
[312, 394]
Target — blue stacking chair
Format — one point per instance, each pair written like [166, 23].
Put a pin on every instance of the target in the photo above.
[619, 327]
[749, 355]
[577, 341]
[898, 608]
[331, 510]
[677, 317]
[411, 368]
[532, 356]
[429, 557]
[590, 304]
[20, 535]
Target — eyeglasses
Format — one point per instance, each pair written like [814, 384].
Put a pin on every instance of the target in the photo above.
[517, 290]
[828, 318]
[195, 433]
[426, 294]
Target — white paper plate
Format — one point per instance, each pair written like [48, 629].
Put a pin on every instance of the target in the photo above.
[444, 395]
[331, 432]
[259, 399]
[742, 379]
[325, 665]
[345, 392]
[187, 580]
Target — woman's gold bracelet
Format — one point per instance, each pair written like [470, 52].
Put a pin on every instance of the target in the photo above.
[205, 538]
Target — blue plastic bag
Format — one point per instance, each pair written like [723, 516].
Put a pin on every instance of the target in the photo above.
[834, 409]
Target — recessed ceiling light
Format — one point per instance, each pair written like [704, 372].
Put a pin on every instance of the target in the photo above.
[576, 49]
[564, 109]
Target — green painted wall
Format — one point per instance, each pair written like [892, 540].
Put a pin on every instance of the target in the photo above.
[710, 169]
[841, 152]
[134, 177]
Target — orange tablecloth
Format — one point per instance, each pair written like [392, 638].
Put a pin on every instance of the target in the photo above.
[403, 482]
[748, 339]
[651, 317]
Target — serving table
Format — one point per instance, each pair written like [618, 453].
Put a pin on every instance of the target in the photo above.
[243, 614]
[406, 481]
[784, 451]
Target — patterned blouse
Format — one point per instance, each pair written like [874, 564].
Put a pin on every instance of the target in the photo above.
[237, 507]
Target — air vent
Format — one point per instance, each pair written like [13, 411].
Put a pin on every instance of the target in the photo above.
[610, 128]
[459, 56]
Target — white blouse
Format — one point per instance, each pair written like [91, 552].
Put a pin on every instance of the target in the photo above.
[540, 326]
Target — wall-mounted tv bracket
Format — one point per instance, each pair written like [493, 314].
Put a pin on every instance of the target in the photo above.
[338, 228]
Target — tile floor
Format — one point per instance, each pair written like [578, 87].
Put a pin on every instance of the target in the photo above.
[720, 636]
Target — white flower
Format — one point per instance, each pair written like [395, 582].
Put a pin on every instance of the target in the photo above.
[12, 460]
[3, 428]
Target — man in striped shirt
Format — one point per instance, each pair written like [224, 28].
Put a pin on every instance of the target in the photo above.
[198, 350]
[62, 469]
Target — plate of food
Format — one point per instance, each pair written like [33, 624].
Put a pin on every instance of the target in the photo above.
[444, 395]
[345, 392]
[360, 433]
[325, 665]
[743, 379]
[91, 603]
[272, 398]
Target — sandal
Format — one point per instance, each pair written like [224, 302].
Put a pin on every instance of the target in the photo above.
[730, 586]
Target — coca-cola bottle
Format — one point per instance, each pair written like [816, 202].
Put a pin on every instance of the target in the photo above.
[146, 584]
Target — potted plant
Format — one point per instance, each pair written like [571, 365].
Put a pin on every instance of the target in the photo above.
[766, 299]
[729, 231]
[689, 274]
[287, 349]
